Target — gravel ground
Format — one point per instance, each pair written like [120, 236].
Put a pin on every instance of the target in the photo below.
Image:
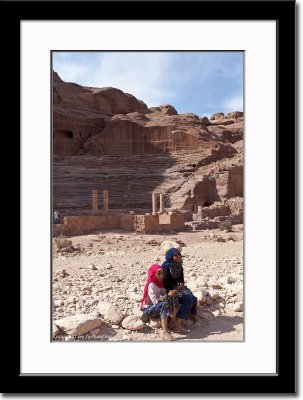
[110, 267]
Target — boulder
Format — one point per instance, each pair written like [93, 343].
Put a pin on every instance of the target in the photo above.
[137, 311]
[79, 324]
[169, 244]
[133, 323]
[56, 330]
[238, 307]
[110, 313]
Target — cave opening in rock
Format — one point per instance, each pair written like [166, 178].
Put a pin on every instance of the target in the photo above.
[63, 142]
[60, 134]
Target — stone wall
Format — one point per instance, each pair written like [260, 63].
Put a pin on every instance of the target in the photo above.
[140, 223]
[215, 210]
[161, 223]
[83, 224]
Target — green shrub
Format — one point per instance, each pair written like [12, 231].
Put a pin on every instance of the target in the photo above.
[226, 226]
[233, 238]
[62, 242]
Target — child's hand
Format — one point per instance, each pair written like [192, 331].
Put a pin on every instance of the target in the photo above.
[172, 293]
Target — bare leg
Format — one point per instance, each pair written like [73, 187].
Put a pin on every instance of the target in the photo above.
[164, 324]
[185, 324]
[174, 320]
[196, 319]
[165, 334]
[179, 327]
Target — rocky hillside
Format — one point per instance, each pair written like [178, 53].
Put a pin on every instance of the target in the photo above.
[104, 138]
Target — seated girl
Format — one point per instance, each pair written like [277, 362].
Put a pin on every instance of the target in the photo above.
[155, 299]
[173, 280]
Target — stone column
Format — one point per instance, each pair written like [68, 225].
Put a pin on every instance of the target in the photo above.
[95, 201]
[154, 201]
[161, 203]
[105, 200]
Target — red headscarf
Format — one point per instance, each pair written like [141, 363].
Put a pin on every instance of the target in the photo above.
[151, 277]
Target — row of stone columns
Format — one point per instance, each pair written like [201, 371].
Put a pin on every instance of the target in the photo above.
[154, 202]
[95, 201]
[105, 202]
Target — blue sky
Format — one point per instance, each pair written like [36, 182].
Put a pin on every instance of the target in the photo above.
[193, 82]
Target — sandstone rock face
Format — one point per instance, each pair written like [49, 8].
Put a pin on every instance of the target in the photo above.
[165, 109]
[217, 116]
[234, 114]
[231, 134]
[105, 139]
[79, 113]
[230, 183]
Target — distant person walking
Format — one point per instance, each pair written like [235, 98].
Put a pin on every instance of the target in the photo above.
[56, 217]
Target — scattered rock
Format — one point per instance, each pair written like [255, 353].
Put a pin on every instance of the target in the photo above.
[137, 311]
[119, 281]
[238, 307]
[110, 313]
[155, 323]
[56, 330]
[169, 244]
[78, 324]
[95, 332]
[135, 296]
[133, 323]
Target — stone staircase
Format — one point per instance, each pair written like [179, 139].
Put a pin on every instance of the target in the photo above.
[130, 180]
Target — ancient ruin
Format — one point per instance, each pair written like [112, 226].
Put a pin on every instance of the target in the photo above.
[150, 222]
[109, 145]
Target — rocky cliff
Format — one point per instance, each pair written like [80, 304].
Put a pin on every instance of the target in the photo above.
[104, 138]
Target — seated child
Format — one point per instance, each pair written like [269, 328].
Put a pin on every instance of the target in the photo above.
[155, 302]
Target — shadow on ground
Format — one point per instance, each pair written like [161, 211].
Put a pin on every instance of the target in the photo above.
[222, 328]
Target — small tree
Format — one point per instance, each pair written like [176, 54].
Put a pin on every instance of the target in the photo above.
[226, 226]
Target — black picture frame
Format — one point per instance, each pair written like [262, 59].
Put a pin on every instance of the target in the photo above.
[283, 12]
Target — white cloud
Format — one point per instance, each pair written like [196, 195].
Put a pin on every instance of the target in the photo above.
[234, 103]
[187, 80]
[143, 75]
[69, 70]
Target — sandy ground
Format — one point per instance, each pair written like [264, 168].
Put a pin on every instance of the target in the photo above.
[111, 267]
